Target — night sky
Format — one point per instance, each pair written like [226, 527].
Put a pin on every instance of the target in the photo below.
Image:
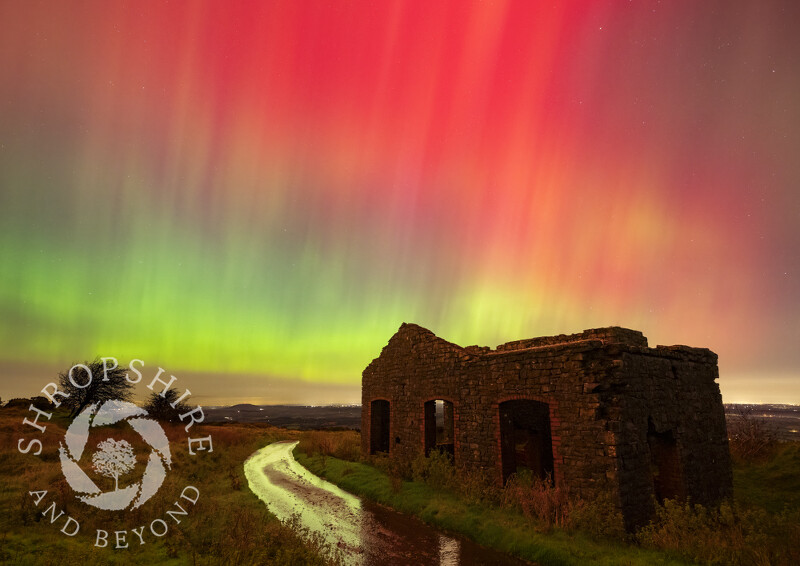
[255, 195]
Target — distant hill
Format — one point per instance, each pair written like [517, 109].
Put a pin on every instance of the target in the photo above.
[299, 417]
[24, 402]
[783, 419]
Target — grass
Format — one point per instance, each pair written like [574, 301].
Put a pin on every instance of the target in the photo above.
[759, 527]
[502, 529]
[772, 484]
[228, 525]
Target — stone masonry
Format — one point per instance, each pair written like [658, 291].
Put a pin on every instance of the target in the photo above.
[594, 412]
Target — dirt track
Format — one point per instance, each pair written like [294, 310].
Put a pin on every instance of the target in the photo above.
[365, 533]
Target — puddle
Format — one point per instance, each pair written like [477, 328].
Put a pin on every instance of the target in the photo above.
[366, 533]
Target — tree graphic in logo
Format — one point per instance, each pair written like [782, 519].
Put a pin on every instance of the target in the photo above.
[113, 459]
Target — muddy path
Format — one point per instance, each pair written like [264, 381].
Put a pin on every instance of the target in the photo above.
[366, 534]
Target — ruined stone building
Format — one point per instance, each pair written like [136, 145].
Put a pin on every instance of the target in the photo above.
[596, 411]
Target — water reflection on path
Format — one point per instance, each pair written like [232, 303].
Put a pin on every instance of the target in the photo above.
[366, 533]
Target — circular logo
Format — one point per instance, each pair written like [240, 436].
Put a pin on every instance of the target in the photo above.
[114, 458]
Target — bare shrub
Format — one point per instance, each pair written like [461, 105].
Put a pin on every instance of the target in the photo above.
[599, 517]
[233, 476]
[751, 438]
[315, 442]
[26, 511]
[396, 483]
[223, 435]
[391, 466]
[379, 461]
[419, 468]
[477, 486]
[345, 445]
[436, 470]
[537, 499]
[348, 446]
[63, 493]
[728, 534]
[324, 443]
[242, 536]
[474, 485]
[397, 470]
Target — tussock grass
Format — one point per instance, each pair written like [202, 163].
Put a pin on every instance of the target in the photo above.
[730, 535]
[532, 520]
[344, 444]
[228, 525]
[773, 484]
[505, 529]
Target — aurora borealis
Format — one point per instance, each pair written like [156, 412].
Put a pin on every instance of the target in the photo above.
[257, 194]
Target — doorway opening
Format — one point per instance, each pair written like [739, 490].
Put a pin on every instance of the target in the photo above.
[379, 426]
[439, 429]
[525, 439]
[665, 464]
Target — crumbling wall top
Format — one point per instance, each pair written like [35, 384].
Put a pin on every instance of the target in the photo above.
[608, 335]
[425, 342]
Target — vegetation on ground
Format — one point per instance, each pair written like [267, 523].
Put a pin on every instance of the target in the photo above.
[752, 439]
[474, 508]
[227, 525]
[762, 523]
[533, 520]
[772, 484]
[528, 517]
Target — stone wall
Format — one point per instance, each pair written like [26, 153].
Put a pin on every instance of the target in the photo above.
[610, 335]
[614, 406]
[670, 391]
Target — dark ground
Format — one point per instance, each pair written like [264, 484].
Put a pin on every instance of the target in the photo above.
[298, 417]
[783, 419]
